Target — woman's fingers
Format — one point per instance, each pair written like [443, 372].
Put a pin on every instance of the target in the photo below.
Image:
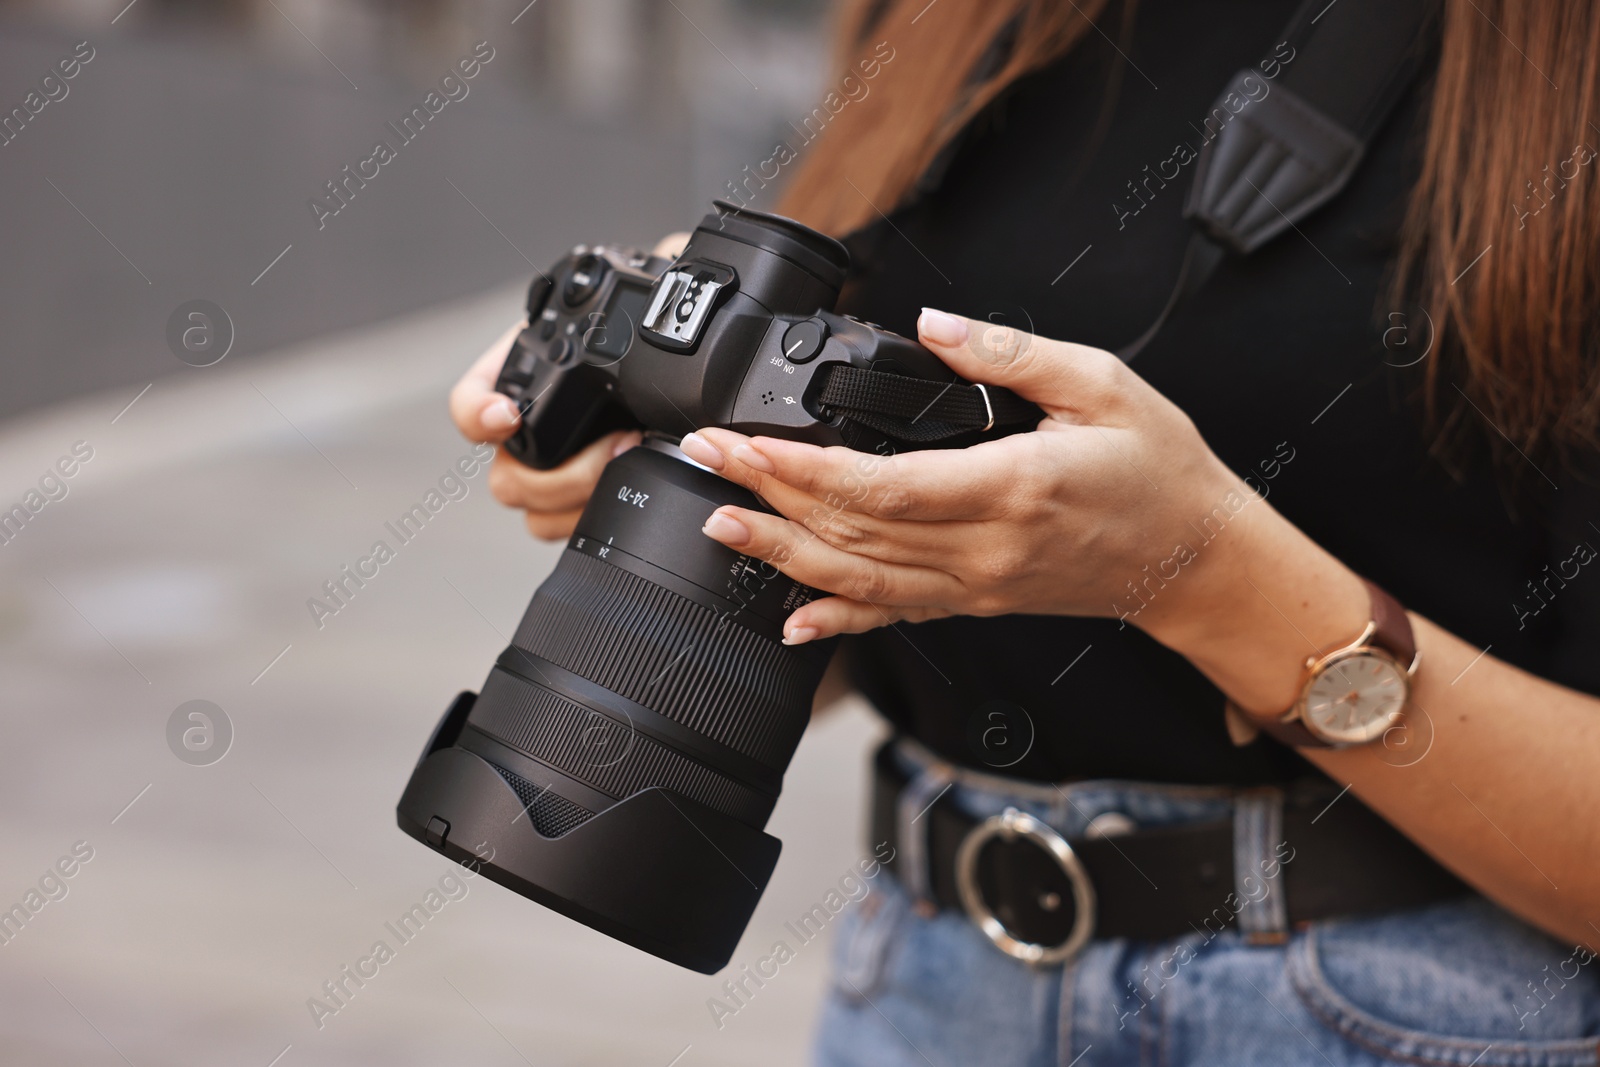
[845, 523]
[835, 615]
[557, 527]
[924, 485]
[480, 413]
[562, 489]
[806, 557]
[938, 484]
[1057, 375]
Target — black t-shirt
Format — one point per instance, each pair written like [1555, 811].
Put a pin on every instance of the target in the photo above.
[1280, 360]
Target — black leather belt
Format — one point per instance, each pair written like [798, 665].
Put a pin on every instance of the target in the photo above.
[1040, 897]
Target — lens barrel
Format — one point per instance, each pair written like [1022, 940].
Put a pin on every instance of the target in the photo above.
[628, 747]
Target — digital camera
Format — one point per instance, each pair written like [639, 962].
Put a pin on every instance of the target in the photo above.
[623, 756]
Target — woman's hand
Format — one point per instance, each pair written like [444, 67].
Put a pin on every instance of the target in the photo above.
[552, 500]
[1100, 511]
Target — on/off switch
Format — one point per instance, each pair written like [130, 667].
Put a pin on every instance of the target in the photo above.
[803, 340]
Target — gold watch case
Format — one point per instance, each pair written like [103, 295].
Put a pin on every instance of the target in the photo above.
[1354, 694]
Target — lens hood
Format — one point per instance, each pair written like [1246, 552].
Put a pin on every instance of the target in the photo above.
[658, 871]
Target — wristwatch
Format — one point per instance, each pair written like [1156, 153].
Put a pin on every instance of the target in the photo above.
[1352, 695]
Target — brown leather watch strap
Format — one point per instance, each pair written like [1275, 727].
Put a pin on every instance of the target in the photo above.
[1292, 733]
[1391, 632]
[1392, 627]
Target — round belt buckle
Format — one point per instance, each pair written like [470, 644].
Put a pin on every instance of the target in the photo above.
[1010, 825]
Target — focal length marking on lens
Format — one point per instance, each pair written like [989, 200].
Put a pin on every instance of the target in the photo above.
[598, 551]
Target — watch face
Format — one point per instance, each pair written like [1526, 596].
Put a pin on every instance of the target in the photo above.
[1355, 698]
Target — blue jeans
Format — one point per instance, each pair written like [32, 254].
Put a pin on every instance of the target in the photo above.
[1459, 983]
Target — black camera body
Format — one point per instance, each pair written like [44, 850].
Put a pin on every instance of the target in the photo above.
[735, 332]
[627, 748]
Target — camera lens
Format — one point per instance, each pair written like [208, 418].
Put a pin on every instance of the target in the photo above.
[649, 670]
[651, 656]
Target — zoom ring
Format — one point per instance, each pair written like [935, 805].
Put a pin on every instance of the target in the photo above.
[671, 655]
[600, 751]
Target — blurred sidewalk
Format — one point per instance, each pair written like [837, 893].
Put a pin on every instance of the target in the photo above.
[177, 567]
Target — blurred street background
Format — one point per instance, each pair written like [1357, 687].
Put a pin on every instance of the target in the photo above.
[175, 562]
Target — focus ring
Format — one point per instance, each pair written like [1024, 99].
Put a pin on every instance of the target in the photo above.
[672, 655]
[554, 730]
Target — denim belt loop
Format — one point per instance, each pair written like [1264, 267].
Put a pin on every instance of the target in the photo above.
[1257, 832]
[918, 796]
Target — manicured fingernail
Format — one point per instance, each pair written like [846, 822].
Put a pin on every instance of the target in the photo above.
[500, 414]
[751, 458]
[726, 528]
[941, 329]
[799, 635]
[628, 441]
[701, 451]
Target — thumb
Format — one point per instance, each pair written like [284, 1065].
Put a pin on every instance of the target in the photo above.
[1056, 375]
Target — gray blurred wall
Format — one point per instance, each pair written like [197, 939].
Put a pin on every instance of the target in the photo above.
[180, 163]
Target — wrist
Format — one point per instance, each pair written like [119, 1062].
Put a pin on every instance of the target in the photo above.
[1270, 598]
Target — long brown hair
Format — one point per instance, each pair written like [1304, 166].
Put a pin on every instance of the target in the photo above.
[1501, 244]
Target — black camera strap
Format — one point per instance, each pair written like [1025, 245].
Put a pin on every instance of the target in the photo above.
[1275, 158]
[917, 410]
[1287, 151]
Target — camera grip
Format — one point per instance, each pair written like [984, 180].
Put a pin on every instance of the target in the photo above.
[566, 404]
